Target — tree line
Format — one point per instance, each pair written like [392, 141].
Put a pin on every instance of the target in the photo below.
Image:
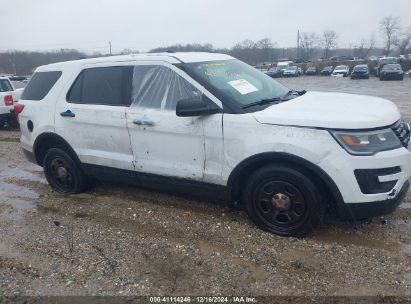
[396, 40]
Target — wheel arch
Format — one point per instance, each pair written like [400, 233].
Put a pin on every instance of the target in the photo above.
[242, 171]
[48, 140]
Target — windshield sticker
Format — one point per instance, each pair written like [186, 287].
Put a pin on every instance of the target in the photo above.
[242, 86]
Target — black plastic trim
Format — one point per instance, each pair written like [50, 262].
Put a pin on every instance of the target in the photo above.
[278, 156]
[157, 182]
[30, 156]
[368, 180]
[360, 211]
[53, 137]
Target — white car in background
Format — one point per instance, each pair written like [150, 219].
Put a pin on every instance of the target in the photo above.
[9, 96]
[292, 71]
[341, 71]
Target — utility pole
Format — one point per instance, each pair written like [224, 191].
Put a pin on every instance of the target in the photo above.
[109, 43]
[298, 44]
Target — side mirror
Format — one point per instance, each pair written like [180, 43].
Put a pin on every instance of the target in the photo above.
[196, 107]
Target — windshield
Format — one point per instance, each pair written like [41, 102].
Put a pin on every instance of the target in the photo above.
[292, 68]
[392, 67]
[388, 60]
[341, 67]
[360, 68]
[236, 81]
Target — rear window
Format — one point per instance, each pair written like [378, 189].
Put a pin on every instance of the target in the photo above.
[5, 85]
[40, 84]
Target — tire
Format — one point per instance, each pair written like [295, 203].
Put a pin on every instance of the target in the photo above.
[62, 173]
[283, 200]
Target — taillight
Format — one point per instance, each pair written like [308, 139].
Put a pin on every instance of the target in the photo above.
[8, 100]
[17, 110]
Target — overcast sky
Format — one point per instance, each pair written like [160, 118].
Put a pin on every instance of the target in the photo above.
[88, 25]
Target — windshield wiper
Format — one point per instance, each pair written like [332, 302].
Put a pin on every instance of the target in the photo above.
[293, 92]
[262, 102]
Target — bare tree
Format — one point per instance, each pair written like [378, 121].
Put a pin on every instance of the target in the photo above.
[329, 42]
[404, 41]
[389, 27]
[366, 46]
[307, 43]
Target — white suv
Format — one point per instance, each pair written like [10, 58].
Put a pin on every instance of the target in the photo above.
[202, 121]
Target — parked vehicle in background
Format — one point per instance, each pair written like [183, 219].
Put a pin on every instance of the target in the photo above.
[360, 71]
[341, 70]
[275, 72]
[311, 71]
[283, 65]
[326, 71]
[18, 85]
[286, 155]
[392, 72]
[291, 71]
[384, 61]
[8, 97]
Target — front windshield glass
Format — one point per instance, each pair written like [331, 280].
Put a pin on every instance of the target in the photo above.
[392, 67]
[236, 81]
[388, 60]
[341, 67]
[293, 68]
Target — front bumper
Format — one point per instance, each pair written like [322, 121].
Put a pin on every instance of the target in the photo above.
[392, 75]
[361, 211]
[360, 76]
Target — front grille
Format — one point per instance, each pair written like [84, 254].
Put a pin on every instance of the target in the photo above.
[402, 130]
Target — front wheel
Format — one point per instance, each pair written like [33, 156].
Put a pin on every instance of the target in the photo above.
[283, 200]
[62, 172]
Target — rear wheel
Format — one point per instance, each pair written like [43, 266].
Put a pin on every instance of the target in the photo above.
[283, 200]
[62, 172]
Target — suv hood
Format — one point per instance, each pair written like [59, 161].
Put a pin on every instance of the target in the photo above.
[331, 110]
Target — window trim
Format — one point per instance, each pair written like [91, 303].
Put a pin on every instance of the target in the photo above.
[125, 86]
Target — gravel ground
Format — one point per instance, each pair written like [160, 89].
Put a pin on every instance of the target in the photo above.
[117, 240]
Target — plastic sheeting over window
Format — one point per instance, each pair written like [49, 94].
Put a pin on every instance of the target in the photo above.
[159, 87]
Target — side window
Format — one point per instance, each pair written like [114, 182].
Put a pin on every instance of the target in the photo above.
[40, 85]
[159, 87]
[101, 86]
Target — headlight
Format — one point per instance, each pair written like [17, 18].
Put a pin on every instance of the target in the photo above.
[367, 142]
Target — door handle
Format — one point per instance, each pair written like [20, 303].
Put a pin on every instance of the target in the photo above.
[67, 113]
[143, 122]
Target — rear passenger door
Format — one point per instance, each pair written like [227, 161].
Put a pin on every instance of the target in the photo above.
[90, 115]
[163, 143]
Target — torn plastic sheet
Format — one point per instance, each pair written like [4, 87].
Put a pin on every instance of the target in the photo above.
[159, 87]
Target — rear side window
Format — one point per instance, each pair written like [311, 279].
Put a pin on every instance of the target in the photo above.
[39, 85]
[102, 86]
[5, 85]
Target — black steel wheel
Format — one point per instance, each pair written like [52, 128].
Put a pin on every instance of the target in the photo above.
[62, 172]
[283, 200]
